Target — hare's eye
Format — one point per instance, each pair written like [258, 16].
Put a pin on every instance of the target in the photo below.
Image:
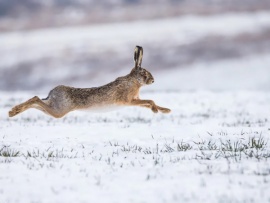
[145, 77]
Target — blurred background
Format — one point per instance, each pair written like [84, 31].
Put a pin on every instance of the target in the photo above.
[188, 44]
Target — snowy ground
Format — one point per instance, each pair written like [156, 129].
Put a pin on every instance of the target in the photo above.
[213, 147]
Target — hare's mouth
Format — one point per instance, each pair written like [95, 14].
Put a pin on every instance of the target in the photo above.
[150, 81]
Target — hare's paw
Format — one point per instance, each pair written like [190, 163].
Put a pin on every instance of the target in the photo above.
[154, 109]
[14, 111]
[164, 110]
[11, 113]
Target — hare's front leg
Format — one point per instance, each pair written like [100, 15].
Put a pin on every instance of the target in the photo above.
[145, 103]
[149, 104]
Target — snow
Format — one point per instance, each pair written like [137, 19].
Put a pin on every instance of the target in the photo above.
[131, 155]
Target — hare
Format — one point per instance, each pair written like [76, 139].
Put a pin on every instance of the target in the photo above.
[124, 91]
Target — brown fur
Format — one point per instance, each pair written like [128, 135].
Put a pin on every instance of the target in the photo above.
[124, 91]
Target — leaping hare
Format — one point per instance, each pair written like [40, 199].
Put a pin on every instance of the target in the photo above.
[124, 91]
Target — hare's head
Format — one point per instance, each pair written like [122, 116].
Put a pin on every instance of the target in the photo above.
[143, 76]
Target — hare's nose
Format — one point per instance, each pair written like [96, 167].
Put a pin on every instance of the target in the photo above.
[153, 81]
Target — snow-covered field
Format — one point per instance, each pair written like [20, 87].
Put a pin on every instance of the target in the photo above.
[213, 147]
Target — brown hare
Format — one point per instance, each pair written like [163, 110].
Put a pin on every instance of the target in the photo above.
[124, 91]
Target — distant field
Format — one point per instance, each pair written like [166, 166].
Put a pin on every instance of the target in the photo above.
[31, 14]
[95, 54]
[213, 147]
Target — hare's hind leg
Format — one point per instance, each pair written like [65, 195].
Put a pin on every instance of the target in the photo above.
[22, 107]
[50, 110]
[36, 103]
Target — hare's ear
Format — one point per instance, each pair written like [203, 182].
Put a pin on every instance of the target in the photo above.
[138, 54]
